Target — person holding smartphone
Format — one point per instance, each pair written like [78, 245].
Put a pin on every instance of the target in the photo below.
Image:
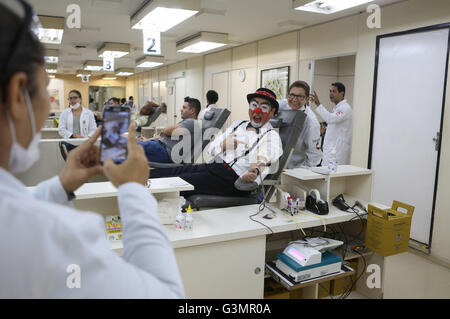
[76, 121]
[41, 236]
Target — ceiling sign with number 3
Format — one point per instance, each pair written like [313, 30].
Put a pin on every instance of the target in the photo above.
[108, 63]
[152, 42]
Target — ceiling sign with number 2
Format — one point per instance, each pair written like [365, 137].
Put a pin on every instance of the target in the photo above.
[152, 42]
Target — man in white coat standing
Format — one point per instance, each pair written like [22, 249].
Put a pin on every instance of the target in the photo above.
[307, 151]
[340, 125]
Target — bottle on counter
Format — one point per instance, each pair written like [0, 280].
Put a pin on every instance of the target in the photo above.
[189, 221]
[332, 162]
[180, 221]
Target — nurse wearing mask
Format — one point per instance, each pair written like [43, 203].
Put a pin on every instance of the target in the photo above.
[76, 121]
[42, 238]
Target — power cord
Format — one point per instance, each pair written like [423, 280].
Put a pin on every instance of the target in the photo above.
[262, 206]
[347, 293]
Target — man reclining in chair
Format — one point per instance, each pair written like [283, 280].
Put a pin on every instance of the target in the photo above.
[244, 151]
[159, 149]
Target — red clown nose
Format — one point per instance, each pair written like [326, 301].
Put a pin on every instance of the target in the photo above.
[257, 110]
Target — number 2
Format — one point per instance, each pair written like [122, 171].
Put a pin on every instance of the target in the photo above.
[150, 48]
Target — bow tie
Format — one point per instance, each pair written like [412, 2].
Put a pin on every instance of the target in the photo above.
[250, 126]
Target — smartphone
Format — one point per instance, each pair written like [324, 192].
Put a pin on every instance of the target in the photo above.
[116, 120]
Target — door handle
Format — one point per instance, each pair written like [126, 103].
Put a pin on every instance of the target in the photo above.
[437, 141]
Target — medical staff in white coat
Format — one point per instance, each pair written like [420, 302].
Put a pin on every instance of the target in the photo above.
[340, 125]
[307, 152]
[49, 249]
[76, 121]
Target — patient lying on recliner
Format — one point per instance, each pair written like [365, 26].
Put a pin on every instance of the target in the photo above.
[159, 149]
[244, 151]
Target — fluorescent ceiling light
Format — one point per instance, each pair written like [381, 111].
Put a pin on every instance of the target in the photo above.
[109, 78]
[150, 61]
[116, 50]
[51, 56]
[202, 42]
[52, 29]
[51, 68]
[124, 72]
[201, 46]
[327, 6]
[80, 73]
[93, 65]
[162, 19]
[51, 59]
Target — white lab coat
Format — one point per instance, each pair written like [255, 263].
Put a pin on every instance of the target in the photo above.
[307, 150]
[87, 123]
[339, 132]
[41, 237]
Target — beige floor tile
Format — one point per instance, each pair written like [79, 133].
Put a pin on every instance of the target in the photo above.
[411, 276]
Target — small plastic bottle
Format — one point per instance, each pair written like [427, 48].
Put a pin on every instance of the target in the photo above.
[189, 223]
[332, 162]
[180, 221]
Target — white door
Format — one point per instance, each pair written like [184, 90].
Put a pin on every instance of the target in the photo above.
[407, 117]
[180, 94]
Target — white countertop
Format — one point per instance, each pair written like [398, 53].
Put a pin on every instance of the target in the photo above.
[224, 224]
[49, 129]
[107, 189]
[342, 170]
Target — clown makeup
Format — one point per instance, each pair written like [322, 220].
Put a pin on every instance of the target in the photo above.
[259, 112]
[265, 107]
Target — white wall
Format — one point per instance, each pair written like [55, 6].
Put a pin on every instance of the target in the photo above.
[348, 36]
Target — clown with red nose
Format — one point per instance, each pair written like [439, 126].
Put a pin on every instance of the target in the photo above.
[248, 150]
[262, 107]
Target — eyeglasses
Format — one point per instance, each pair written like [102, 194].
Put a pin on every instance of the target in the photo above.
[295, 96]
[73, 98]
[263, 106]
[30, 28]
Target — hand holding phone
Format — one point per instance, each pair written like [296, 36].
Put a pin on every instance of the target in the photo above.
[116, 120]
[134, 169]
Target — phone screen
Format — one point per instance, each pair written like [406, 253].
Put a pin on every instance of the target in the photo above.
[114, 134]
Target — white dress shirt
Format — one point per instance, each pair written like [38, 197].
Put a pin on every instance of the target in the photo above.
[339, 132]
[269, 147]
[87, 123]
[41, 237]
[307, 150]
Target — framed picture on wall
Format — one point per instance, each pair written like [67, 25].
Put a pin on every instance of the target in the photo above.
[277, 80]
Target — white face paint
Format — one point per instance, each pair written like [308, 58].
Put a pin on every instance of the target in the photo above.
[20, 158]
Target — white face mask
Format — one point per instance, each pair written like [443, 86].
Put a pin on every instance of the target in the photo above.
[21, 159]
[74, 107]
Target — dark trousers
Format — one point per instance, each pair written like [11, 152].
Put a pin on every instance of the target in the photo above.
[69, 146]
[155, 151]
[208, 179]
